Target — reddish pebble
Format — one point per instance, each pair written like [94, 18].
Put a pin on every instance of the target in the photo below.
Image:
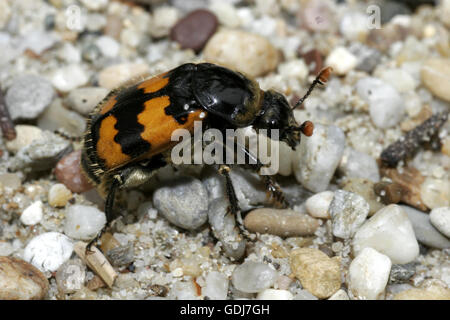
[68, 172]
[195, 29]
[313, 60]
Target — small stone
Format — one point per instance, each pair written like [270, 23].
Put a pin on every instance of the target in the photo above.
[409, 181]
[48, 251]
[95, 5]
[390, 232]
[341, 60]
[59, 195]
[56, 117]
[365, 188]
[28, 96]
[318, 205]
[435, 75]
[424, 230]
[83, 222]
[242, 51]
[216, 287]
[183, 201]
[440, 219]
[69, 77]
[316, 15]
[368, 58]
[108, 46]
[339, 295]
[5, 14]
[67, 52]
[195, 29]
[433, 292]
[71, 276]
[401, 273]
[385, 104]
[280, 222]
[355, 164]
[32, 214]
[10, 181]
[113, 76]
[183, 290]
[368, 275]
[252, 277]
[84, 100]
[274, 294]
[42, 154]
[398, 78]
[19, 280]
[164, 18]
[318, 156]
[314, 60]
[69, 172]
[435, 193]
[317, 273]
[226, 13]
[224, 229]
[353, 26]
[305, 295]
[348, 212]
[121, 255]
[25, 134]
[95, 283]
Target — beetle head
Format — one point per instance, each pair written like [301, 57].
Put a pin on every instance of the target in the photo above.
[277, 114]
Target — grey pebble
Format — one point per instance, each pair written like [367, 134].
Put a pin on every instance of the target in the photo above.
[28, 96]
[250, 190]
[252, 277]
[225, 230]
[57, 117]
[121, 255]
[348, 212]
[401, 273]
[41, 154]
[424, 230]
[183, 201]
[70, 276]
[84, 100]
[356, 164]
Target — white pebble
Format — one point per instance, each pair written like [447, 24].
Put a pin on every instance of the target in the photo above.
[25, 135]
[115, 75]
[317, 205]
[48, 251]
[353, 26]
[339, 295]
[295, 69]
[273, 294]
[164, 18]
[68, 78]
[32, 214]
[318, 156]
[435, 193]
[399, 79]
[216, 287]
[440, 218]
[341, 60]
[356, 164]
[226, 13]
[83, 222]
[369, 274]
[390, 232]
[108, 46]
[252, 277]
[386, 106]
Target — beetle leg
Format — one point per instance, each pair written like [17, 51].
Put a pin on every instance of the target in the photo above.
[231, 194]
[274, 192]
[109, 205]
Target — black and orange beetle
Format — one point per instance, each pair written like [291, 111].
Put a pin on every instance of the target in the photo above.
[129, 132]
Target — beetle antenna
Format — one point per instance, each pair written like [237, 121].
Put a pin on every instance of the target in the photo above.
[321, 78]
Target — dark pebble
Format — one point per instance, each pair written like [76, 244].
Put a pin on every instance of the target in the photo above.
[407, 145]
[68, 171]
[390, 9]
[121, 256]
[195, 29]
[401, 273]
[314, 60]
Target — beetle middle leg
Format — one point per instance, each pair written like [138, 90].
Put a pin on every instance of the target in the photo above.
[132, 176]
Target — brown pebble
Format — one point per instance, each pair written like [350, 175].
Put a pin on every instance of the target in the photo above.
[19, 280]
[409, 181]
[314, 60]
[68, 172]
[388, 192]
[95, 283]
[280, 222]
[113, 26]
[195, 29]
[6, 123]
